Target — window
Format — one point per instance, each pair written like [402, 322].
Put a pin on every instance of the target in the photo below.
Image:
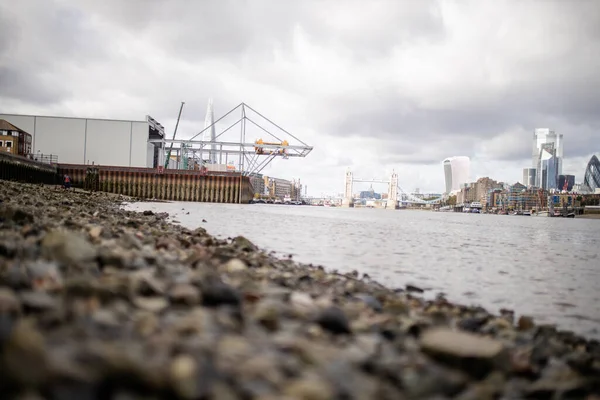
[3, 132]
[9, 144]
[1, 143]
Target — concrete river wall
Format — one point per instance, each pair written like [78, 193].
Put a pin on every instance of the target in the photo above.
[144, 183]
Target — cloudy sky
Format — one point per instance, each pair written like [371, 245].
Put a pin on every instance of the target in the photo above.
[373, 86]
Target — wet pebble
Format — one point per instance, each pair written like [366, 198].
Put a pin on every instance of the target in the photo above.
[334, 320]
[216, 293]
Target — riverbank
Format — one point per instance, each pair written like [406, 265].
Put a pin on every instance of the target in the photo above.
[98, 300]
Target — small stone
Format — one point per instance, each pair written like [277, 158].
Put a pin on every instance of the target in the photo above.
[525, 323]
[9, 303]
[475, 354]
[183, 371]
[396, 307]
[145, 323]
[235, 265]
[24, 355]
[184, 294]
[8, 249]
[244, 244]
[309, 389]
[370, 301]
[334, 320]
[153, 304]
[414, 289]
[166, 243]
[267, 313]
[302, 304]
[95, 232]
[67, 247]
[38, 301]
[472, 324]
[148, 212]
[217, 293]
[44, 275]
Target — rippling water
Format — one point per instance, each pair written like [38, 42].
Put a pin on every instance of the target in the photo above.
[545, 267]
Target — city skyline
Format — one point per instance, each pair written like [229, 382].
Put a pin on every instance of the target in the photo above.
[400, 85]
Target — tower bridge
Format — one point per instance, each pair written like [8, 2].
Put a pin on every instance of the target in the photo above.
[393, 191]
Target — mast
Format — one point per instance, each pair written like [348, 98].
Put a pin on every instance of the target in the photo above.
[168, 158]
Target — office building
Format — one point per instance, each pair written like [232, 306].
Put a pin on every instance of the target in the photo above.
[529, 175]
[592, 175]
[566, 182]
[547, 157]
[456, 172]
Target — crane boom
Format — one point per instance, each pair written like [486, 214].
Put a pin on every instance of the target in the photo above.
[174, 133]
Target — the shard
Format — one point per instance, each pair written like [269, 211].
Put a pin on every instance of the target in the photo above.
[209, 134]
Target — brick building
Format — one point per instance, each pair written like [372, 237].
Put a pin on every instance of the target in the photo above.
[13, 139]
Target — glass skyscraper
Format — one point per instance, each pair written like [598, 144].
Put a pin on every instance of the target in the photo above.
[529, 175]
[592, 174]
[547, 157]
[456, 172]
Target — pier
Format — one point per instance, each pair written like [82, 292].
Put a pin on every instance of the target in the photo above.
[142, 183]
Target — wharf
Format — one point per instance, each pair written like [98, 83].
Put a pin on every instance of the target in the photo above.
[142, 183]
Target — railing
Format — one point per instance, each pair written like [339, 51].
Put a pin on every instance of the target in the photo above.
[50, 159]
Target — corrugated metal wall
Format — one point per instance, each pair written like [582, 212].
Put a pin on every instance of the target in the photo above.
[146, 183]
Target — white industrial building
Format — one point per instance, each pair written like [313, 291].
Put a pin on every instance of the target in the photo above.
[93, 141]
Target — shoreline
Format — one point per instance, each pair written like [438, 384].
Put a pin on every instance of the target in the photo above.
[176, 312]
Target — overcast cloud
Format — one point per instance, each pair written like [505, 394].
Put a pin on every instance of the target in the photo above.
[373, 86]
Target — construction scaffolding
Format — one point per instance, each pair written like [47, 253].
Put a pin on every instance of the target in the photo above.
[210, 154]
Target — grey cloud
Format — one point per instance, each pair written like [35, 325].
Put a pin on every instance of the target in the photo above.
[233, 30]
[38, 44]
[64, 52]
[17, 84]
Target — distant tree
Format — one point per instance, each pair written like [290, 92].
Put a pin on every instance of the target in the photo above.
[451, 201]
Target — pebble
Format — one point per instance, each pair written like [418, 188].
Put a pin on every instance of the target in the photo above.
[334, 320]
[473, 353]
[67, 247]
[153, 304]
[217, 293]
[525, 323]
[184, 294]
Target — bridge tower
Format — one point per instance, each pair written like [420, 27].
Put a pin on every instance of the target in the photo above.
[347, 201]
[392, 200]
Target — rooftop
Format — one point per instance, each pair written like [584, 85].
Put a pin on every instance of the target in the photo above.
[7, 126]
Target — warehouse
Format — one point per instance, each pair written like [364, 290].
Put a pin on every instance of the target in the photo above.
[91, 140]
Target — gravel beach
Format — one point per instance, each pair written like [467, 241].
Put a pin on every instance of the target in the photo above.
[101, 303]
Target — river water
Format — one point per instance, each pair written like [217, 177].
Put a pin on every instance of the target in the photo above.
[548, 268]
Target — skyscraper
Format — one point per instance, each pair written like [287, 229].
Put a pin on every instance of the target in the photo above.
[547, 157]
[209, 134]
[456, 172]
[529, 175]
[592, 174]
